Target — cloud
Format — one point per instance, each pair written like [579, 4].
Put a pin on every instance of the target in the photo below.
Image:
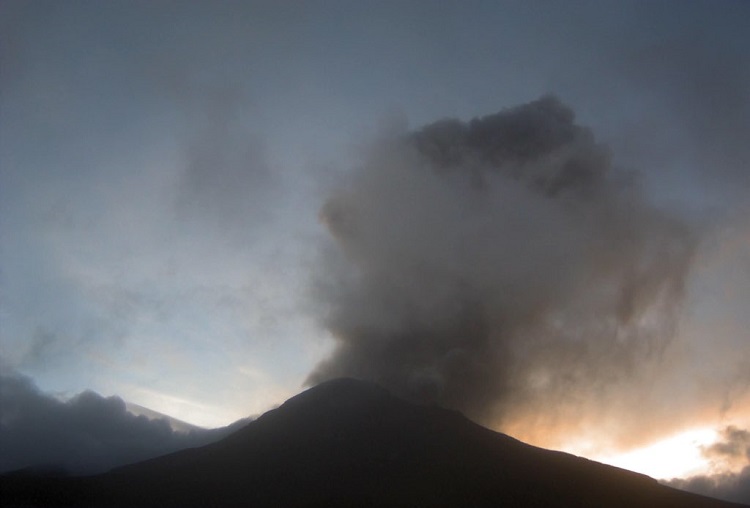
[733, 449]
[84, 435]
[226, 181]
[736, 444]
[153, 218]
[728, 486]
[501, 266]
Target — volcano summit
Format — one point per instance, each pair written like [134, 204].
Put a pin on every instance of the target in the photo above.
[351, 443]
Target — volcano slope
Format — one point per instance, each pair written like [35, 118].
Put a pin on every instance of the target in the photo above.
[351, 443]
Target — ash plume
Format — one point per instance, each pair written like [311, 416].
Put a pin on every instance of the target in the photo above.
[498, 266]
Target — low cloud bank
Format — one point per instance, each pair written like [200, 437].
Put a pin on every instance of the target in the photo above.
[84, 435]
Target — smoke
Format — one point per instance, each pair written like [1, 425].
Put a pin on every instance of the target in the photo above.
[501, 266]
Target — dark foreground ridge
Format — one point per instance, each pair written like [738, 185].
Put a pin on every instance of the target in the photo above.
[351, 443]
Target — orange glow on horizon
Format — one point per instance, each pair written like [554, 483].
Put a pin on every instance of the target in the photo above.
[678, 456]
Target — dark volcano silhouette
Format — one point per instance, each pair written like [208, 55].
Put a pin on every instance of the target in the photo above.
[352, 443]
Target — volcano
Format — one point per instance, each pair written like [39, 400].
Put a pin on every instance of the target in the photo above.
[347, 443]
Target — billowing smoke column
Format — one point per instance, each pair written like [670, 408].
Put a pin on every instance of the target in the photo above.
[498, 263]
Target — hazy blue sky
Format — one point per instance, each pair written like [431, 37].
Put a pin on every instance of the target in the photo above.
[163, 164]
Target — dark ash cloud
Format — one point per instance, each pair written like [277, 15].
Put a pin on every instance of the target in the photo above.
[499, 266]
[733, 449]
[84, 435]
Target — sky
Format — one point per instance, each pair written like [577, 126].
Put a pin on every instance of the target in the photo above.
[206, 206]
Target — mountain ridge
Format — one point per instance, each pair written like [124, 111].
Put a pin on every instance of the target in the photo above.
[347, 442]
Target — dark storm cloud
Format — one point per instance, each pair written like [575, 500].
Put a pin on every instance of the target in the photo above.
[499, 264]
[734, 448]
[86, 434]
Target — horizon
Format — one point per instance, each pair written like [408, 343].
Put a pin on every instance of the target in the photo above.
[375, 446]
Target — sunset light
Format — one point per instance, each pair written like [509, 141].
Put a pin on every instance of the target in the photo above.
[678, 456]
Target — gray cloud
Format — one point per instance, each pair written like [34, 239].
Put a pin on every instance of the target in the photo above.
[736, 444]
[731, 486]
[728, 486]
[226, 180]
[84, 435]
[499, 265]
